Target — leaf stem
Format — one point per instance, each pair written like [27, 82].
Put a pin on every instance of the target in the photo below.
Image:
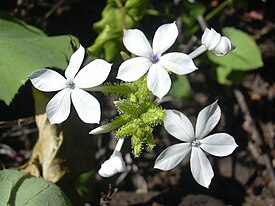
[213, 13]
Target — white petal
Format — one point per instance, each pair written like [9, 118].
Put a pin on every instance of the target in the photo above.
[158, 81]
[208, 118]
[220, 144]
[172, 156]
[75, 63]
[86, 105]
[200, 167]
[58, 108]
[178, 125]
[48, 80]
[224, 47]
[93, 74]
[115, 164]
[164, 38]
[102, 129]
[133, 69]
[136, 42]
[210, 38]
[219, 45]
[178, 63]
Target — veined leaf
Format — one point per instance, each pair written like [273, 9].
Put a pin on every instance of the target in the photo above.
[19, 188]
[24, 49]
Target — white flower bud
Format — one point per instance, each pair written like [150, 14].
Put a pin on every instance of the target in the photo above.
[115, 164]
[213, 41]
[102, 129]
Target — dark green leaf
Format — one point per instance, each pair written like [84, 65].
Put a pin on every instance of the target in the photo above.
[180, 87]
[18, 188]
[115, 17]
[24, 49]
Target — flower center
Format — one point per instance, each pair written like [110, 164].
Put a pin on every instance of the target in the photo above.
[71, 84]
[195, 143]
[154, 58]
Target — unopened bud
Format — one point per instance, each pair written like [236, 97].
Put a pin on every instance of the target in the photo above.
[213, 41]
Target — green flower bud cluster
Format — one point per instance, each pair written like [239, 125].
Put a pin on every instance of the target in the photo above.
[138, 114]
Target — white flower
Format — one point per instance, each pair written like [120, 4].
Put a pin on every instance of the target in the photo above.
[72, 88]
[151, 59]
[213, 41]
[115, 164]
[219, 144]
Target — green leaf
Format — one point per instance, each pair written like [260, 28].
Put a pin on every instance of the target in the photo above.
[226, 75]
[222, 74]
[191, 11]
[180, 87]
[246, 56]
[84, 185]
[116, 16]
[18, 188]
[24, 49]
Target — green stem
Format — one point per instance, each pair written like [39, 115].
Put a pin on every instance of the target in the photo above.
[213, 13]
[120, 6]
[218, 9]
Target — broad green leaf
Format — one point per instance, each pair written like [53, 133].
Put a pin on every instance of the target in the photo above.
[18, 188]
[245, 57]
[10, 27]
[222, 74]
[180, 87]
[226, 75]
[24, 49]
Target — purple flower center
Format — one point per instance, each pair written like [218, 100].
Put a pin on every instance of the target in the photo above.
[195, 143]
[154, 58]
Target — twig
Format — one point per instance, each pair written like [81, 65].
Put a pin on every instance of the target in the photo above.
[255, 135]
[202, 22]
[106, 199]
[19, 122]
[55, 7]
[213, 13]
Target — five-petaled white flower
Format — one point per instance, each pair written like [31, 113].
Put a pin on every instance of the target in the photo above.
[179, 126]
[72, 88]
[151, 59]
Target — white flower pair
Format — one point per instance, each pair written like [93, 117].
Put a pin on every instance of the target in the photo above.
[72, 88]
[150, 59]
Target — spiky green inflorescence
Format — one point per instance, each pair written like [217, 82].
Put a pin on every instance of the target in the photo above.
[138, 114]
